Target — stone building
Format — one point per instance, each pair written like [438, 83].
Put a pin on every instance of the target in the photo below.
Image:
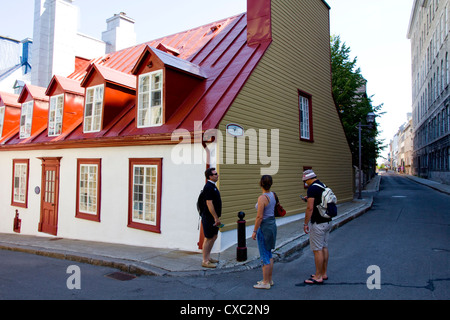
[428, 31]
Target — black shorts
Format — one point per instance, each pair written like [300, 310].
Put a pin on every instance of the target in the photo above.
[209, 230]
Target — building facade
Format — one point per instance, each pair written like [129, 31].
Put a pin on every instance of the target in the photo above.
[429, 35]
[116, 152]
[15, 64]
[401, 148]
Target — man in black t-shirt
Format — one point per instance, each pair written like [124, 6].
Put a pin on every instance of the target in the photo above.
[211, 216]
[317, 227]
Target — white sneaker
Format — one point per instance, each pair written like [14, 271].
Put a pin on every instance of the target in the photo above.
[271, 282]
[261, 285]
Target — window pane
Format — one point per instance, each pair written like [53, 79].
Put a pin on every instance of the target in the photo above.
[55, 115]
[93, 109]
[156, 81]
[304, 118]
[157, 115]
[150, 99]
[144, 84]
[145, 194]
[88, 188]
[26, 118]
[156, 98]
[20, 182]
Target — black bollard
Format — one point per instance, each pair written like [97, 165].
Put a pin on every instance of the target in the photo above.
[241, 254]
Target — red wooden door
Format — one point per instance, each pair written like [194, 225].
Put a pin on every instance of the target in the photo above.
[49, 196]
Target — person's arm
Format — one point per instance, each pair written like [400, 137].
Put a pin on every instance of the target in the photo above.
[211, 209]
[262, 202]
[308, 214]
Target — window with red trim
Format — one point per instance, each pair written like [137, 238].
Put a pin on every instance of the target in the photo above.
[20, 175]
[306, 122]
[145, 180]
[89, 189]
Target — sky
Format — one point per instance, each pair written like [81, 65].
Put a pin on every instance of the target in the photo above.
[375, 31]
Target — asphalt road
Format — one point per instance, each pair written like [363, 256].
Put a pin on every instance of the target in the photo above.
[398, 250]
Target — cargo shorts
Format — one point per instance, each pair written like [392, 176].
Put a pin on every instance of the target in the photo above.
[318, 235]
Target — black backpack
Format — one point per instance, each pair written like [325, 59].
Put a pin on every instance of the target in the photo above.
[201, 203]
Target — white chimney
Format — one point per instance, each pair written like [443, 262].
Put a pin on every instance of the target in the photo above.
[120, 33]
[55, 30]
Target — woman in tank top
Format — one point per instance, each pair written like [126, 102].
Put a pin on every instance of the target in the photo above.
[265, 231]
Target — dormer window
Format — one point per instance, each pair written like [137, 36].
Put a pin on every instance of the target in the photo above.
[150, 104]
[55, 115]
[93, 109]
[26, 119]
[164, 82]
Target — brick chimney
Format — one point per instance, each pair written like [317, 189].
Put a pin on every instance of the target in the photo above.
[259, 21]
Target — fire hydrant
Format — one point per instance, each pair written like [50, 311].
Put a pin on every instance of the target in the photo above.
[17, 222]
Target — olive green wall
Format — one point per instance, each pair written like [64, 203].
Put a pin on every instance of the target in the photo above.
[298, 59]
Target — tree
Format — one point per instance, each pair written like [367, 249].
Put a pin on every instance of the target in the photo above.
[349, 92]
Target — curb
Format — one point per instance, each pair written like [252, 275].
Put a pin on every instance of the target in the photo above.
[427, 184]
[301, 242]
[288, 249]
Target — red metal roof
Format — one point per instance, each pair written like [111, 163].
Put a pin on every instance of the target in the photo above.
[9, 99]
[68, 85]
[111, 75]
[175, 63]
[37, 93]
[217, 52]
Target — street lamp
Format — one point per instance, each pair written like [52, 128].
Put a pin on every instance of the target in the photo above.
[370, 120]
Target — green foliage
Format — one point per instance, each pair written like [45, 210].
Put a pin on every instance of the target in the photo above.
[349, 91]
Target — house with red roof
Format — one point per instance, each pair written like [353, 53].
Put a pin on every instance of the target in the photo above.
[116, 151]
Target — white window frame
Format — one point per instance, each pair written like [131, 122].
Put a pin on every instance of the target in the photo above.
[95, 98]
[2, 120]
[150, 114]
[305, 132]
[145, 195]
[89, 184]
[20, 183]
[26, 119]
[55, 115]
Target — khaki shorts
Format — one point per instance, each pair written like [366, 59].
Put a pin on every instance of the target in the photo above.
[318, 235]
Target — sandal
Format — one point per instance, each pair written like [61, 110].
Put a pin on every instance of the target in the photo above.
[323, 278]
[313, 281]
[208, 264]
[271, 282]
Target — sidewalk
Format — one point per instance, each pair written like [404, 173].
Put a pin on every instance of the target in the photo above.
[165, 262]
[444, 188]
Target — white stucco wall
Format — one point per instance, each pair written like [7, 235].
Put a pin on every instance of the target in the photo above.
[181, 185]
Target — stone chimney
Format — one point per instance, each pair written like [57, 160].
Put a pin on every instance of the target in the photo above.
[120, 33]
[259, 21]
